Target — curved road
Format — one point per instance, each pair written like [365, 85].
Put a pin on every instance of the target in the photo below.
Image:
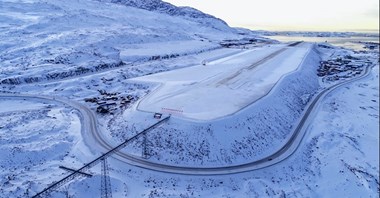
[284, 152]
[88, 118]
[90, 130]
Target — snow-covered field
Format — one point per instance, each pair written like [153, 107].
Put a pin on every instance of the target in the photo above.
[36, 138]
[222, 87]
[78, 37]
[344, 141]
[98, 53]
[338, 157]
[250, 134]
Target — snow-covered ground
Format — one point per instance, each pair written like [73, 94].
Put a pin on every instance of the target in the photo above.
[77, 37]
[90, 51]
[250, 134]
[222, 87]
[36, 137]
[338, 157]
[344, 141]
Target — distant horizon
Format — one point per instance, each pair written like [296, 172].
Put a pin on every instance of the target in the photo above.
[367, 31]
[293, 15]
[298, 29]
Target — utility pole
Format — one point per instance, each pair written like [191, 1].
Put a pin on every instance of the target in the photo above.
[106, 191]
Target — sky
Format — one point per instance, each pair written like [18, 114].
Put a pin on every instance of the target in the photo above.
[306, 15]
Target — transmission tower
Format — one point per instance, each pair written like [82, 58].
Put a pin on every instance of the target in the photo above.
[144, 147]
[145, 144]
[105, 180]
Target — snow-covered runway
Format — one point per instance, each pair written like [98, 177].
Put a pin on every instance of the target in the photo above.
[224, 86]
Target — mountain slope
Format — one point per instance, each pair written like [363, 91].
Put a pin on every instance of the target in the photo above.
[66, 38]
[185, 12]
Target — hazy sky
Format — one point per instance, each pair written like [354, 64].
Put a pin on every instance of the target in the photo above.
[313, 15]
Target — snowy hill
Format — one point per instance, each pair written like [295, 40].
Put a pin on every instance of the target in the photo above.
[76, 37]
[167, 8]
[79, 77]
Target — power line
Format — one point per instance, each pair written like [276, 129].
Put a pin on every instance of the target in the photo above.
[78, 172]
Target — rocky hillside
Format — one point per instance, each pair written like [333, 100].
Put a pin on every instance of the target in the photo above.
[50, 39]
[185, 12]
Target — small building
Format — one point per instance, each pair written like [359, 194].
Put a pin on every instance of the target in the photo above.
[157, 115]
[111, 98]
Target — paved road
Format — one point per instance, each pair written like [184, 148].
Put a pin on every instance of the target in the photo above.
[88, 118]
[92, 133]
[284, 152]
